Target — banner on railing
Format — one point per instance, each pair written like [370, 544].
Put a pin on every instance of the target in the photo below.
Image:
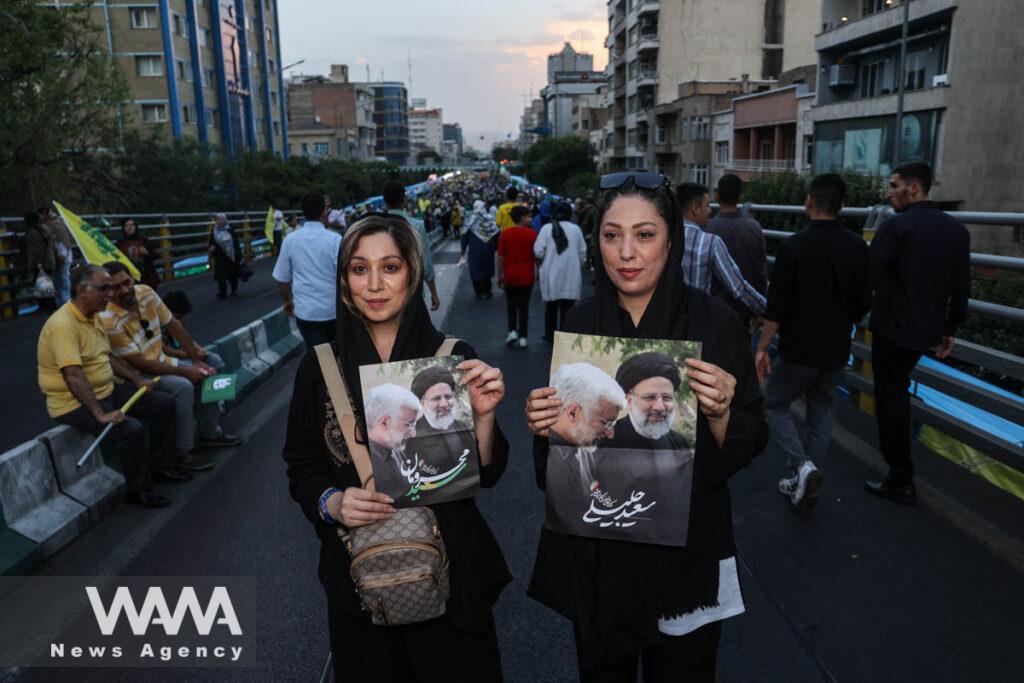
[95, 246]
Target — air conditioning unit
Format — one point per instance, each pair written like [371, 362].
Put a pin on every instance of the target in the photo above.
[842, 75]
[941, 79]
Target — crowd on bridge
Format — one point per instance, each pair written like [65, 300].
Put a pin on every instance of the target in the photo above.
[359, 279]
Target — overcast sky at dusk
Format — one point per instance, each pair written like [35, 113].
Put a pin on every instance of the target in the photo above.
[475, 60]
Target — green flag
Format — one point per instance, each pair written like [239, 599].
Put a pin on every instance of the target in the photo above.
[219, 388]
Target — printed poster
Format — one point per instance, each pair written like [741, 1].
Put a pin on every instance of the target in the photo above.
[620, 458]
[419, 431]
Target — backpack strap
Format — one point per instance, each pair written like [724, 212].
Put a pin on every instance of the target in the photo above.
[338, 392]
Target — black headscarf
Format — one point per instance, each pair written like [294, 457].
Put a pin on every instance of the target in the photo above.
[417, 338]
[666, 315]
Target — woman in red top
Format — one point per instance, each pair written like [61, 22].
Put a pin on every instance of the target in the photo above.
[517, 273]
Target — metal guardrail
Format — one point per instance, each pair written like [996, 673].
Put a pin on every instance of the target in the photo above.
[994, 360]
[176, 236]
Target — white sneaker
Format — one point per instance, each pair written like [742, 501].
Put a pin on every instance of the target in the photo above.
[511, 338]
[787, 486]
[808, 478]
[522, 343]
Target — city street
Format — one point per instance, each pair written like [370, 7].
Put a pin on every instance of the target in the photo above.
[855, 590]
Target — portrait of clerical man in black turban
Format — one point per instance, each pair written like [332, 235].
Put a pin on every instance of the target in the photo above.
[445, 445]
[650, 381]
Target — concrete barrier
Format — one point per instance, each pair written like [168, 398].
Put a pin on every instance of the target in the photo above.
[18, 555]
[95, 485]
[238, 350]
[32, 502]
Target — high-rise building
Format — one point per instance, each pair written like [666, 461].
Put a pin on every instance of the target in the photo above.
[330, 117]
[208, 70]
[452, 143]
[571, 81]
[426, 129]
[391, 115]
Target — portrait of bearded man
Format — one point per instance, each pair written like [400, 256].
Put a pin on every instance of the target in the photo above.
[650, 381]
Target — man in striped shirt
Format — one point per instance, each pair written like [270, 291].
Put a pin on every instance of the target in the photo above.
[133, 320]
[705, 256]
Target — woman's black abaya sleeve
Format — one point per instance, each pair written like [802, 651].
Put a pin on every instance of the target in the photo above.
[747, 433]
[309, 472]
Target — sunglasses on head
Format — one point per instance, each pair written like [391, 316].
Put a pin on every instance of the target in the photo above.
[643, 180]
[145, 328]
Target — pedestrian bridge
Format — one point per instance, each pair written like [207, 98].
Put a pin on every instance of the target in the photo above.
[855, 589]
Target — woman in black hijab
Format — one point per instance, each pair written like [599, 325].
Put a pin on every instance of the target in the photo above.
[139, 251]
[382, 318]
[624, 599]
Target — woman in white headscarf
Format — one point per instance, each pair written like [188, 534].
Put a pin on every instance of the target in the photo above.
[227, 256]
[482, 232]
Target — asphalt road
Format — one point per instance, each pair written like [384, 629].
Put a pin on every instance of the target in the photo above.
[856, 590]
[23, 412]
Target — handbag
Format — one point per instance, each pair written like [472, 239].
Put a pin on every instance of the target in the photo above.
[399, 565]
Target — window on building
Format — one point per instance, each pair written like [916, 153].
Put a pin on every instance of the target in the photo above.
[203, 36]
[277, 127]
[189, 114]
[144, 17]
[872, 6]
[808, 150]
[154, 113]
[209, 77]
[771, 63]
[699, 174]
[149, 65]
[273, 98]
[211, 118]
[184, 70]
[270, 35]
[700, 127]
[273, 67]
[660, 135]
[774, 20]
[322, 148]
[305, 149]
[722, 152]
[631, 104]
[178, 24]
[631, 137]
[915, 70]
[871, 78]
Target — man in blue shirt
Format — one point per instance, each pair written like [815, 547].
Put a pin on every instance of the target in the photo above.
[394, 197]
[307, 273]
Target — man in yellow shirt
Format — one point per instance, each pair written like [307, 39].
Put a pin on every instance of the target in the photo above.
[134, 320]
[77, 375]
[504, 217]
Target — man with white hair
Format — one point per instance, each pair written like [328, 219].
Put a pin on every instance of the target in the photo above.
[591, 402]
[391, 412]
[650, 380]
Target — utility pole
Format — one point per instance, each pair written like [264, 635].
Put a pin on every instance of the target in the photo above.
[901, 76]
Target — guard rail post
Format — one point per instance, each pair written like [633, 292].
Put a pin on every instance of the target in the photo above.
[165, 247]
[247, 236]
[862, 399]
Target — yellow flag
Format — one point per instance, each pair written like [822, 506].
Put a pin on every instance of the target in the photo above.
[95, 246]
[268, 227]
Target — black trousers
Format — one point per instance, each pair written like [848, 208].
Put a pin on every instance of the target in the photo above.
[482, 287]
[517, 299]
[428, 652]
[222, 285]
[554, 314]
[156, 408]
[690, 658]
[317, 331]
[892, 365]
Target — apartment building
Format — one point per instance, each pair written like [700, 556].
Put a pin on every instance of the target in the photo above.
[331, 117]
[532, 124]
[962, 94]
[571, 80]
[426, 129]
[209, 70]
[391, 116]
[660, 49]
[452, 144]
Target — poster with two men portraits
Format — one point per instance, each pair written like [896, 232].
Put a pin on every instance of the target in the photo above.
[420, 431]
[620, 456]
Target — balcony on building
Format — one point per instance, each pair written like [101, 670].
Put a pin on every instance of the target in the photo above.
[647, 77]
[854, 21]
[764, 131]
[647, 39]
[644, 7]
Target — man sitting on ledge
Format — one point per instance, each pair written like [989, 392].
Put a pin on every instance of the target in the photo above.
[76, 373]
[133, 320]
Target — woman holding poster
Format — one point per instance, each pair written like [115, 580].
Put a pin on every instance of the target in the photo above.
[639, 600]
[382, 318]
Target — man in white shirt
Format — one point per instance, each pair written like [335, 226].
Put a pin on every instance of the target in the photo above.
[307, 273]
